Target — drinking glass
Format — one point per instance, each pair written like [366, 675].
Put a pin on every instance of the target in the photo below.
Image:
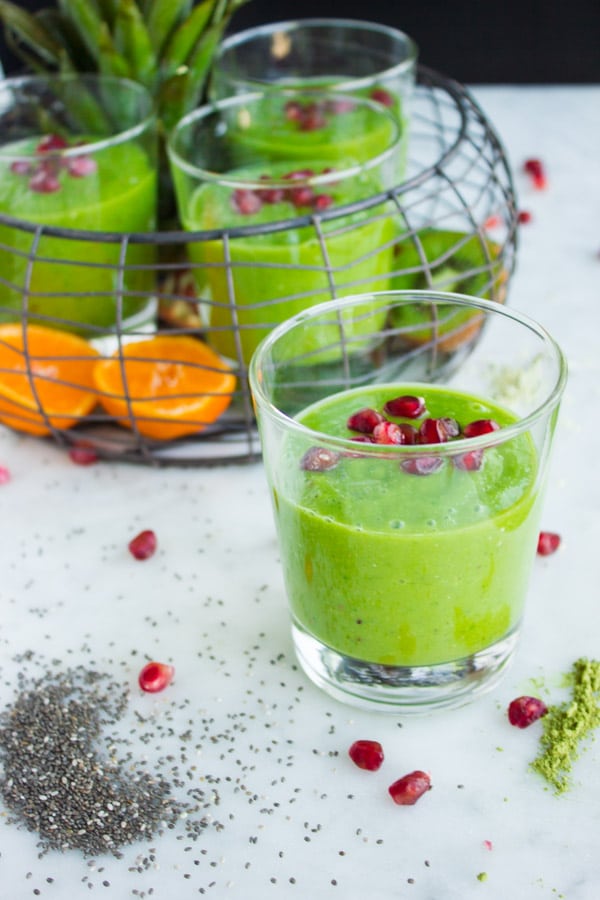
[406, 466]
[77, 157]
[282, 195]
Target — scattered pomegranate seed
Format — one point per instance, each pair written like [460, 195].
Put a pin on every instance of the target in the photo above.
[523, 711]
[407, 406]
[82, 166]
[421, 465]
[143, 545]
[20, 167]
[4, 475]
[492, 222]
[322, 201]
[155, 676]
[83, 456]
[535, 169]
[380, 95]
[271, 195]
[433, 431]
[407, 790]
[488, 845]
[293, 110]
[51, 142]
[299, 174]
[319, 459]
[312, 118]
[302, 196]
[364, 420]
[341, 105]
[548, 543]
[470, 461]
[524, 217]
[245, 201]
[480, 426]
[366, 755]
[44, 182]
[388, 433]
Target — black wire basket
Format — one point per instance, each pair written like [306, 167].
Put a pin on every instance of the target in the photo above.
[451, 225]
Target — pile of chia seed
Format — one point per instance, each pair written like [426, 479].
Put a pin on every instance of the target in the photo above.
[61, 775]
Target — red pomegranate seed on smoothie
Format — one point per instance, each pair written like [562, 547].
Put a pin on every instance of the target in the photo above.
[408, 789]
[143, 546]
[380, 95]
[245, 201]
[364, 420]
[44, 182]
[480, 426]
[301, 196]
[433, 431]
[388, 433]
[523, 711]
[548, 543]
[82, 166]
[322, 202]
[319, 459]
[405, 407]
[366, 755]
[20, 167]
[421, 465]
[50, 143]
[155, 677]
[470, 461]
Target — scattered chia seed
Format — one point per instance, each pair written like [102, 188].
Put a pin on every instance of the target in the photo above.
[565, 726]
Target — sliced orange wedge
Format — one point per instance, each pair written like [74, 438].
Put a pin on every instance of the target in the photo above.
[46, 378]
[166, 386]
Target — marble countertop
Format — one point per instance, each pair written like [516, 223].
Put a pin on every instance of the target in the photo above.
[295, 818]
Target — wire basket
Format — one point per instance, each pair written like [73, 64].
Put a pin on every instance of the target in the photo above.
[451, 224]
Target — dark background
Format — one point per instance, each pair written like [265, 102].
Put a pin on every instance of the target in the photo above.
[473, 41]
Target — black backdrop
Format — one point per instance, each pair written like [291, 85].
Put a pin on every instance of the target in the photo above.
[474, 41]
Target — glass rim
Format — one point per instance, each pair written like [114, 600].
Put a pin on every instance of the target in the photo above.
[241, 37]
[216, 106]
[450, 448]
[147, 119]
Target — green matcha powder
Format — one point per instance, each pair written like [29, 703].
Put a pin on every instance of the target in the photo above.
[566, 725]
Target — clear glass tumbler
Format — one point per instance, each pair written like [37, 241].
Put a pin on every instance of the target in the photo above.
[406, 465]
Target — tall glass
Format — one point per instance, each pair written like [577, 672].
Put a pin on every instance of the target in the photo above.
[285, 188]
[77, 156]
[407, 468]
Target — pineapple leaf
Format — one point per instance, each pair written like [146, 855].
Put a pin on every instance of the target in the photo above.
[111, 61]
[133, 42]
[162, 17]
[186, 36]
[67, 36]
[26, 34]
[87, 20]
[108, 11]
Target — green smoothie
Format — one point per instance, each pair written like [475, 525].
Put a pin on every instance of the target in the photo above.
[112, 190]
[278, 274]
[401, 569]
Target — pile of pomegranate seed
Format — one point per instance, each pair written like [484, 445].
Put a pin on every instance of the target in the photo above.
[366, 755]
[523, 711]
[44, 173]
[535, 169]
[155, 677]
[143, 546]
[408, 789]
[249, 201]
[548, 543]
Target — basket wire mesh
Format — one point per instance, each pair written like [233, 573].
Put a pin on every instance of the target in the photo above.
[454, 219]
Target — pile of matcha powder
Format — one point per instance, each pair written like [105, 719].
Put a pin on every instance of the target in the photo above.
[566, 725]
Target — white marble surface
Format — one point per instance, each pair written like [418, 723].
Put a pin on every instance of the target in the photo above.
[211, 601]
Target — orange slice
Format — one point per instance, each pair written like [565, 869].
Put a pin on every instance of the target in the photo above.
[173, 386]
[45, 378]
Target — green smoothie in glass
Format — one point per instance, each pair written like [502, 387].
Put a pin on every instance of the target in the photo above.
[409, 563]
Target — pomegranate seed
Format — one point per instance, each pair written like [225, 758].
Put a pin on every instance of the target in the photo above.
[480, 426]
[20, 167]
[488, 845]
[82, 166]
[380, 95]
[319, 459]
[449, 426]
[470, 461]
[363, 439]
[432, 431]
[155, 676]
[301, 196]
[364, 420]
[51, 142]
[409, 433]
[143, 545]
[388, 433]
[524, 217]
[4, 475]
[322, 201]
[83, 456]
[340, 106]
[366, 755]
[293, 110]
[407, 406]
[245, 201]
[407, 790]
[312, 118]
[299, 174]
[421, 465]
[535, 168]
[491, 222]
[44, 182]
[271, 195]
[525, 710]
[548, 543]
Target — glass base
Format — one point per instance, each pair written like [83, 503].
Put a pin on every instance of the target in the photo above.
[402, 689]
